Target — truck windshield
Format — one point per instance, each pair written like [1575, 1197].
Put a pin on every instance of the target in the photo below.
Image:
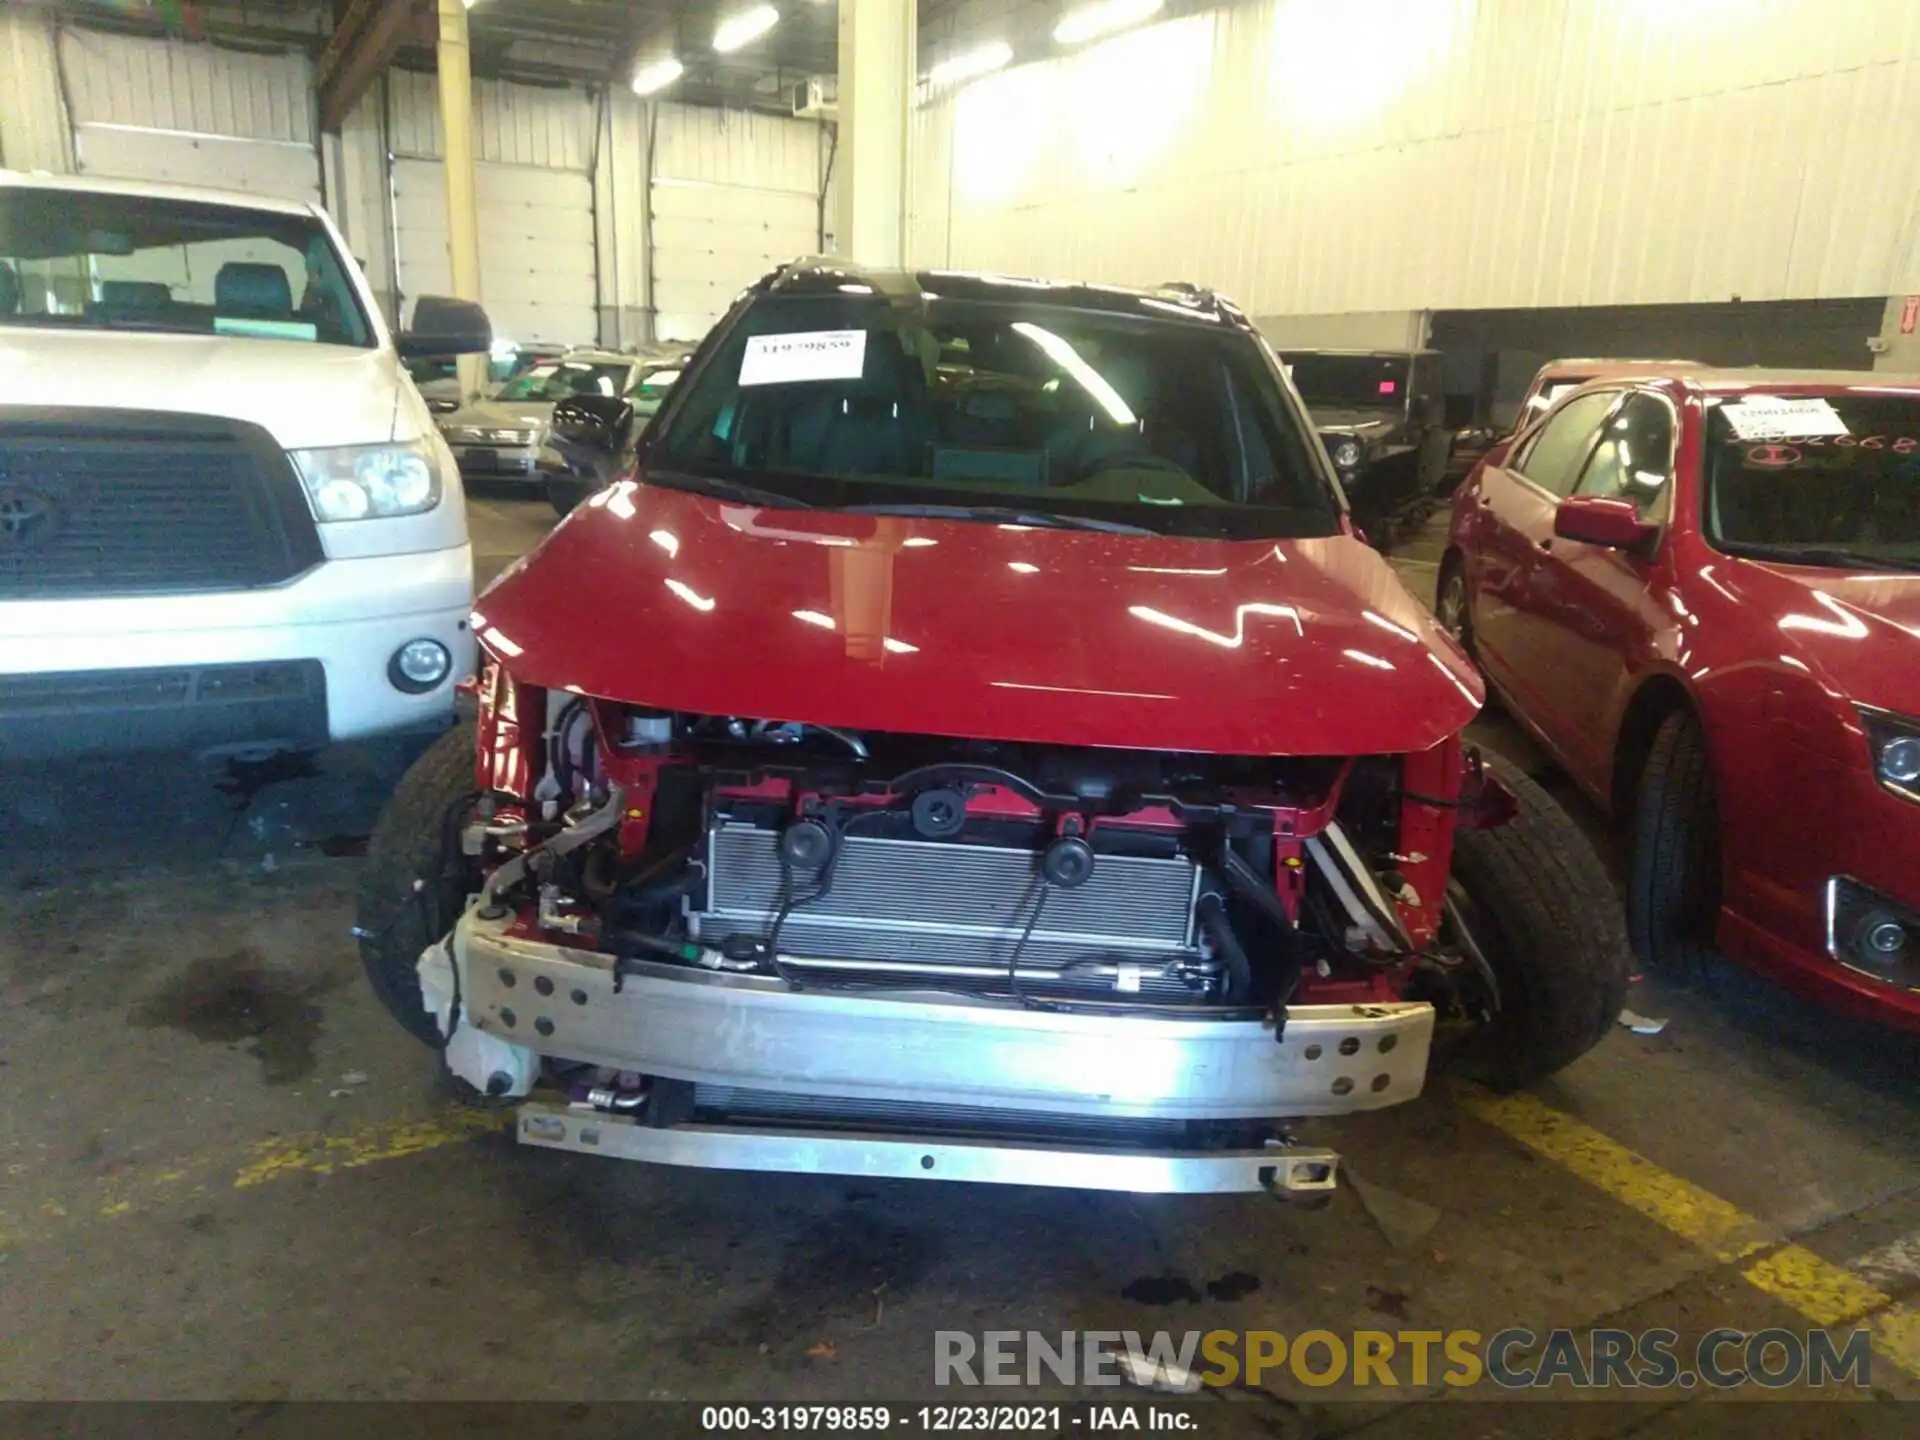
[1008, 408]
[89, 260]
[1829, 479]
[1360, 381]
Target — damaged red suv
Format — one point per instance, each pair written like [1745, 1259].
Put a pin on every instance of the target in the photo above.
[972, 743]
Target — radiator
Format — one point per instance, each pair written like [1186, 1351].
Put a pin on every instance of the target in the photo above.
[961, 908]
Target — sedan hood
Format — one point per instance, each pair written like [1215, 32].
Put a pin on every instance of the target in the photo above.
[1858, 632]
[666, 599]
[303, 394]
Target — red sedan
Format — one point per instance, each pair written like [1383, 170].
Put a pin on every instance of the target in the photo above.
[1701, 593]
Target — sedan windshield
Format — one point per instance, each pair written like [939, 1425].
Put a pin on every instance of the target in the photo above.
[986, 409]
[89, 260]
[1818, 480]
[563, 379]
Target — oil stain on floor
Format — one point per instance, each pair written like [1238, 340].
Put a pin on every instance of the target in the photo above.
[235, 1000]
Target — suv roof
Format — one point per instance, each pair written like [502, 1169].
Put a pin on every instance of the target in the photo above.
[206, 195]
[1179, 300]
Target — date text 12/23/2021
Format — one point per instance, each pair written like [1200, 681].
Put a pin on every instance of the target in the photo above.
[962, 1419]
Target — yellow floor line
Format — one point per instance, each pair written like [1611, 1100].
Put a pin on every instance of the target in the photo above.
[1826, 1294]
[245, 1167]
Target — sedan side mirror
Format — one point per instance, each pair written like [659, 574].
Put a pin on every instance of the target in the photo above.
[597, 424]
[1604, 520]
[442, 327]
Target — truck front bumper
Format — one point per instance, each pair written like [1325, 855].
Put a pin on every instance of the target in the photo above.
[1089, 1095]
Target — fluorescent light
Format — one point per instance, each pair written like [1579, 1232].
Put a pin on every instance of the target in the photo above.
[972, 64]
[899, 647]
[1091, 21]
[1062, 353]
[1021, 567]
[656, 75]
[814, 617]
[744, 28]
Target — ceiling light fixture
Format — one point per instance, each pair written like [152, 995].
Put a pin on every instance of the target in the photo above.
[744, 28]
[971, 64]
[657, 75]
[1090, 22]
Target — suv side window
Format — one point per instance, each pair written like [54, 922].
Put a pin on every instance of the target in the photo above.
[1554, 458]
[1634, 459]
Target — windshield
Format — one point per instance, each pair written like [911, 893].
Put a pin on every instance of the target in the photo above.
[78, 259]
[563, 379]
[1357, 381]
[1823, 480]
[844, 402]
[651, 393]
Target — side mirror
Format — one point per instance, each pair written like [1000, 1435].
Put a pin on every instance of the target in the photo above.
[443, 326]
[1604, 520]
[598, 424]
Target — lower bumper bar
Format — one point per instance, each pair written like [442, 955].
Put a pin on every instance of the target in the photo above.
[1287, 1172]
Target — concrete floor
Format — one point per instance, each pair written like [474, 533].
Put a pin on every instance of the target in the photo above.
[227, 1175]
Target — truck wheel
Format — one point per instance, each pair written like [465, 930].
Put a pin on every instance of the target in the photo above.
[1534, 919]
[1673, 889]
[565, 496]
[416, 881]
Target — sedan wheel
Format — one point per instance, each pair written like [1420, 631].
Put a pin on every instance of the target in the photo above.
[1450, 608]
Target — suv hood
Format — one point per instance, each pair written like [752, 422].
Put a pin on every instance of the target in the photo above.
[1337, 417]
[1858, 632]
[301, 393]
[666, 599]
[501, 415]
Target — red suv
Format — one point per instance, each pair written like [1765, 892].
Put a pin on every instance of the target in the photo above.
[971, 742]
[1702, 594]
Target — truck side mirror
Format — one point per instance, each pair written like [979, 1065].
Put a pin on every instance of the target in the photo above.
[443, 326]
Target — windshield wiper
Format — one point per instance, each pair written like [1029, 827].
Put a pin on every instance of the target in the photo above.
[1831, 555]
[1001, 515]
[718, 489]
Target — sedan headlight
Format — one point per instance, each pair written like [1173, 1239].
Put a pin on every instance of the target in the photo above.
[369, 482]
[1894, 741]
[1346, 454]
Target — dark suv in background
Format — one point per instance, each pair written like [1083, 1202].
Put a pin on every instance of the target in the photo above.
[1382, 416]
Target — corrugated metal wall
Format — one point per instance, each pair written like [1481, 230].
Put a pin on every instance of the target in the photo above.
[512, 124]
[733, 195]
[191, 114]
[34, 131]
[169, 85]
[1385, 154]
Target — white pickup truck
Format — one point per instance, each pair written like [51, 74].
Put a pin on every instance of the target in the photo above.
[227, 521]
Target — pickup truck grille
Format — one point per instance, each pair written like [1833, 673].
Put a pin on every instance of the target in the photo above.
[952, 914]
[102, 503]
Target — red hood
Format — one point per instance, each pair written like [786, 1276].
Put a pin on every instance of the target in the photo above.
[1859, 632]
[662, 598]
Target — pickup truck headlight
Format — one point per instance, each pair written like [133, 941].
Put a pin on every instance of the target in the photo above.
[1346, 454]
[1895, 744]
[369, 482]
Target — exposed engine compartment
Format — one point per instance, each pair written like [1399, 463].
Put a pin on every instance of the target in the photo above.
[1043, 876]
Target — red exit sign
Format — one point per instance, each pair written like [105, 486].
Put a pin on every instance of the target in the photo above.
[1910, 314]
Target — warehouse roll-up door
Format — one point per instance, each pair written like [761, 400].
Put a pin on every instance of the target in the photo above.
[733, 195]
[166, 110]
[536, 246]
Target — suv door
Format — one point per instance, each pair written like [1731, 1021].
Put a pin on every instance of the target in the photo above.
[1511, 528]
[1589, 608]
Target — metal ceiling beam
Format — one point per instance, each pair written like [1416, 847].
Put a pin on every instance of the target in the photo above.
[363, 45]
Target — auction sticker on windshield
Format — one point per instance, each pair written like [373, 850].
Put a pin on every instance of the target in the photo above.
[1763, 417]
[804, 355]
